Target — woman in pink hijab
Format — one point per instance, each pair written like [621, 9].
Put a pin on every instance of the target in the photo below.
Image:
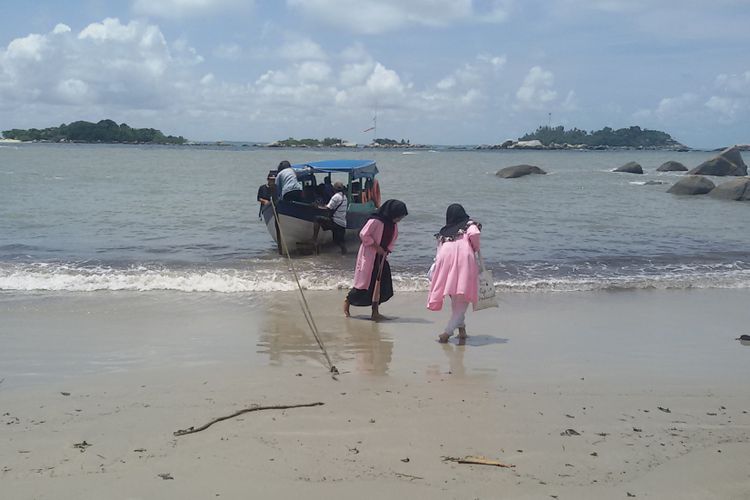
[378, 238]
[456, 273]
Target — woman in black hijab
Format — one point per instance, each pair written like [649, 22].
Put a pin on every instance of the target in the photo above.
[455, 273]
[455, 221]
[372, 273]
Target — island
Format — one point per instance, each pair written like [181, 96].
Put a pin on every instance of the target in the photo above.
[104, 131]
[635, 137]
[335, 142]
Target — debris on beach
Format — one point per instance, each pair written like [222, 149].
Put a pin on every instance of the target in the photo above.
[82, 445]
[665, 410]
[165, 475]
[570, 432]
[65, 393]
[407, 476]
[477, 460]
[191, 430]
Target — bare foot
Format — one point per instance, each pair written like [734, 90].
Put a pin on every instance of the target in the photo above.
[346, 308]
[443, 338]
[376, 316]
[462, 332]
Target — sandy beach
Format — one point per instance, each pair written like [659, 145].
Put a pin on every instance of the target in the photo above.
[588, 395]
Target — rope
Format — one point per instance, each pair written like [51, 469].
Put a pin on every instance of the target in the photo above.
[303, 303]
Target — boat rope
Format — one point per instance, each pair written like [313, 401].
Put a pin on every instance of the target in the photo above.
[303, 302]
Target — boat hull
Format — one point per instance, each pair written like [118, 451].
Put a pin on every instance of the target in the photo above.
[296, 221]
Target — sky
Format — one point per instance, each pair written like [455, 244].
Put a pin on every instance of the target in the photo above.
[432, 71]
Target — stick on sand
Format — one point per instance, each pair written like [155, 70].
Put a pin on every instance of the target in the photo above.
[477, 461]
[191, 430]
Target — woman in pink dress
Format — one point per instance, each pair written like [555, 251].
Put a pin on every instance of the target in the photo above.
[456, 273]
[378, 238]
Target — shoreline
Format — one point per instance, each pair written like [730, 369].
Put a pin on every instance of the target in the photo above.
[601, 364]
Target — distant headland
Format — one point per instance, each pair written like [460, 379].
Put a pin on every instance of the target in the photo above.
[607, 138]
[104, 131]
[543, 138]
[335, 142]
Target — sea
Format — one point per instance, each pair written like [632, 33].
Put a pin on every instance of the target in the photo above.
[184, 219]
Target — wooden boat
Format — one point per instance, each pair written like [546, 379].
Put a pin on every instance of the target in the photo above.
[296, 219]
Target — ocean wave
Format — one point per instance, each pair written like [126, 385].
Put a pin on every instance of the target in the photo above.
[271, 277]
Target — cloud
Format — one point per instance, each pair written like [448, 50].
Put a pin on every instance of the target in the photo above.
[187, 8]
[536, 90]
[28, 48]
[670, 107]
[726, 107]
[496, 11]
[367, 17]
[666, 19]
[483, 68]
[128, 70]
[732, 98]
[302, 49]
[571, 102]
[738, 85]
[61, 28]
[107, 62]
[228, 51]
[727, 103]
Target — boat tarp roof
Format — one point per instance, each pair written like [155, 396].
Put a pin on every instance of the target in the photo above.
[356, 168]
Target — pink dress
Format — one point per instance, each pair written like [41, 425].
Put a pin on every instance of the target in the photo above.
[370, 236]
[456, 271]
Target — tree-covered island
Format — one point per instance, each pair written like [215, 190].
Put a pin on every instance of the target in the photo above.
[607, 138]
[104, 131]
[335, 142]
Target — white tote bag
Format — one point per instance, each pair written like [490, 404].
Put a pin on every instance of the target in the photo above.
[486, 297]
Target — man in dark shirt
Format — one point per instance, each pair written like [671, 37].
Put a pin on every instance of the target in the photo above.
[267, 191]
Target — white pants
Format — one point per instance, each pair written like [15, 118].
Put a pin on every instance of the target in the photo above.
[459, 305]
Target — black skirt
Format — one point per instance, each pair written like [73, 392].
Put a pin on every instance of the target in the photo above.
[362, 298]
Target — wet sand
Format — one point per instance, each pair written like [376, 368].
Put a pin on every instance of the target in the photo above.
[588, 395]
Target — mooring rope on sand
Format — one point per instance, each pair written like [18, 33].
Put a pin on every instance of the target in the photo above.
[303, 303]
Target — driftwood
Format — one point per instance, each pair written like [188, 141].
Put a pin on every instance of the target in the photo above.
[477, 461]
[191, 430]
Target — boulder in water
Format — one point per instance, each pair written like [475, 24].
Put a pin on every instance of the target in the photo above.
[672, 166]
[519, 171]
[728, 162]
[737, 189]
[692, 184]
[630, 168]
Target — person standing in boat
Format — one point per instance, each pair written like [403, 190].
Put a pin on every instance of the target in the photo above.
[455, 273]
[288, 187]
[336, 221]
[372, 273]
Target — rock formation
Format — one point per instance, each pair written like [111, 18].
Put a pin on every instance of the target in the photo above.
[519, 171]
[691, 185]
[728, 162]
[630, 168]
[672, 166]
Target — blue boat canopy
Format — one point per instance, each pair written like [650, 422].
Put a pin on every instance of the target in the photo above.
[355, 168]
